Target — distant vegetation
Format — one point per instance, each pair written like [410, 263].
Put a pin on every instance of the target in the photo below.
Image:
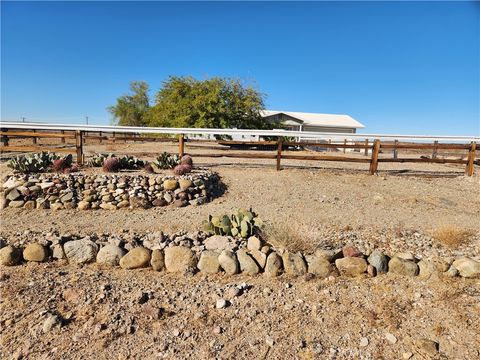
[187, 102]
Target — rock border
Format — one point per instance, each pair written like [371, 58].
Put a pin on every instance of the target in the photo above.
[108, 191]
[221, 254]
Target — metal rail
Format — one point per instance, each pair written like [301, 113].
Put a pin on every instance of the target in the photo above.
[246, 132]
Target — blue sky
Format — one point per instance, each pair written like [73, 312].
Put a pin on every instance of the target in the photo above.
[397, 67]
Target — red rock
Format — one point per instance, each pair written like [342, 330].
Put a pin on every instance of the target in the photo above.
[351, 251]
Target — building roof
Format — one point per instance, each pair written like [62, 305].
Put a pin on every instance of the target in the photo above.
[315, 119]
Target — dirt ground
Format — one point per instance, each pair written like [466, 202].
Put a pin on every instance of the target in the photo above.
[105, 315]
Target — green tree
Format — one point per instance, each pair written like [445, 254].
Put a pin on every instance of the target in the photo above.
[132, 109]
[212, 103]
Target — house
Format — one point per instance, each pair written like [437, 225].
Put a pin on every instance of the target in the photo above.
[300, 121]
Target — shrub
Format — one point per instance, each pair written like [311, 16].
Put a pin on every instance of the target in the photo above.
[182, 169]
[452, 236]
[111, 164]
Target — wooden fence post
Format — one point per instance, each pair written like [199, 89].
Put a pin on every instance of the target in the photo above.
[344, 146]
[279, 152]
[366, 147]
[100, 134]
[395, 150]
[79, 146]
[63, 139]
[5, 138]
[374, 161]
[435, 149]
[469, 170]
[34, 138]
[181, 145]
[329, 149]
[113, 137]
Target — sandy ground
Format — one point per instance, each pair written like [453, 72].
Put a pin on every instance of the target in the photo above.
[316, 319]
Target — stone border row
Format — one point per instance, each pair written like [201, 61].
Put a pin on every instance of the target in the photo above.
[254, 259]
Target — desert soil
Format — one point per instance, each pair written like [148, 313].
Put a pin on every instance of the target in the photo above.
[105, 314]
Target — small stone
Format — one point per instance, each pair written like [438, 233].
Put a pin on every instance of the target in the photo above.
[221, 304]
[158, 260]
[108, 206]
[16, 203]
[319, 266]
[431, 266]
[254, 243]
[403, 267]
[451, 272]
[57, 252]
[180, 203]
[83, 205]
[269, 341]
[467, 267]
[390, 338]
[247, 264]
[294, 264]
[123, 204]
[80, 251]
[351, 251]
[208, 262]
[185, 183]
[35, 252]
[136, 258]
[259, 257]
[407, 355]
[427, 347]
[351, 266]
[170, 184]
[56, 206]
[13, 194]
[159, 202]
[10, 256]
[363, 342]
[110, 255]
[371, 271]
[274, 265]
[217, 329]
[179, 259]
[229, 263]
[379, 261]
[30, 205]
[52, 322]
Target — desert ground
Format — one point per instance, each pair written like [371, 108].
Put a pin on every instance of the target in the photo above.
[110, 313]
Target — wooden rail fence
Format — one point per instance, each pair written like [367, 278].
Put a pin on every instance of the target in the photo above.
[79, 137]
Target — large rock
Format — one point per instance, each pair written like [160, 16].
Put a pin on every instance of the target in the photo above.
[254, 243]
[294, 264]
[247, 264]
[319, 266]
[170, 184]
[208, 262]
[431, 266]
[229, 263]
[259, 257]
[185, 183]
[403, 267]
[179, 259]
[379, 261]
[80, 251]
[10, 256]
[351, 266]
[35, 252]
[136, 258]
[110, 255]
[467, 267]
[158, 260]
[218, 243]
[274, 265]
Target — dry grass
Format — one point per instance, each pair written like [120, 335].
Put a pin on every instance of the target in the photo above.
[452, 236]
[292, 235]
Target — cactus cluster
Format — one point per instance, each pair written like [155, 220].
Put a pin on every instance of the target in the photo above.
[165, 161]
[33, 163]
[243, 224]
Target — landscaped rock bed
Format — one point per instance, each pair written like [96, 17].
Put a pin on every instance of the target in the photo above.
[111, 192]
[199, 251]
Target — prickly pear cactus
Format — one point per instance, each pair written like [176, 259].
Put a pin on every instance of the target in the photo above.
[244, 223]
[33, 163]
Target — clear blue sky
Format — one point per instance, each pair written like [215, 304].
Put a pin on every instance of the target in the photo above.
[398, 67]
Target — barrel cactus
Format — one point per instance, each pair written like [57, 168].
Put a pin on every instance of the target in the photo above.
[244, 223]
[186, 159]
[182, 169]
[111, 164]
[63, 163]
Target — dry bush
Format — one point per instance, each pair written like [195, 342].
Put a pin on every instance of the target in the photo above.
[291, 235]
[452, 236]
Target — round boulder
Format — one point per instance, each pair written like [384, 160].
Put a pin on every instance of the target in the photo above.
[179, 258]
[351, 266]
[80, 251]
[138, 257]
[208, 262]
[35, 252]
[110, 255]
[10, 256]
[229, 263]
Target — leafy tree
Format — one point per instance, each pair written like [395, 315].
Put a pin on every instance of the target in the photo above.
[132, 109]
[212, 103]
